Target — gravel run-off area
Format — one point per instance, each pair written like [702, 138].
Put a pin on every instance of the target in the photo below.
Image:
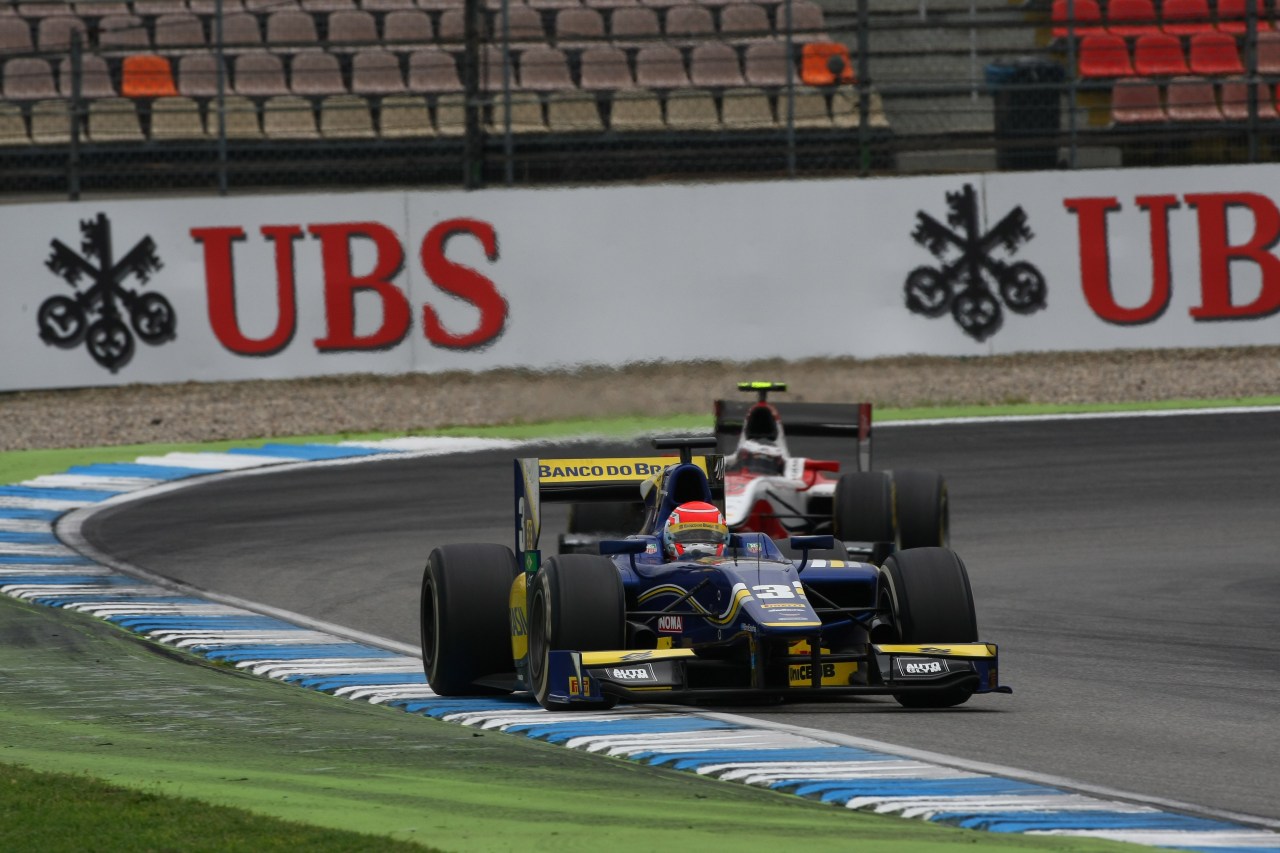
[194, 412]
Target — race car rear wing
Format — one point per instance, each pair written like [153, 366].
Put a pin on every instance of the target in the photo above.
[852, 420]
[621, 478]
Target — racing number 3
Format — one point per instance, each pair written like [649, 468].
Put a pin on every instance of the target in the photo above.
[772, 590]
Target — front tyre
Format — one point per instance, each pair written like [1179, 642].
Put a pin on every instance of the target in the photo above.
[924, 518]
[576, 604]
[927, 591]
[464, 617]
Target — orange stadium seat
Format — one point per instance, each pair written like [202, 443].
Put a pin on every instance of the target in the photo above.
[825, 63]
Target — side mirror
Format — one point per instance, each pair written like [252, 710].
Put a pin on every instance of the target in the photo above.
[805, 544]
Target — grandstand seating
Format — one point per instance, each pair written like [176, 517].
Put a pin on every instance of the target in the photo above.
[309, 70]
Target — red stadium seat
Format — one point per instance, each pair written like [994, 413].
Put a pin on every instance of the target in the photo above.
[1215, 54]
[1233, 16]
[1159, 55]
[1186, 17]
[1131, 18]
[1104, 55]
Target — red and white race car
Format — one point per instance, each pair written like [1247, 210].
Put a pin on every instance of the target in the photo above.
[767, 490]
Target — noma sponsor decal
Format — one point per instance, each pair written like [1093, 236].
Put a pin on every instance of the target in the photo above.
[670, 624]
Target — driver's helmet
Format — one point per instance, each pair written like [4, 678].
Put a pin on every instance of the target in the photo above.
[694, 529]
[760, 457]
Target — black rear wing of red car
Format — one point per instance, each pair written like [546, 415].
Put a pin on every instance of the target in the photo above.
[849, 420]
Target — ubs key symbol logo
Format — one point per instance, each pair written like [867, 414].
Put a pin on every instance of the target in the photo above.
[94, 316]
[970, 271]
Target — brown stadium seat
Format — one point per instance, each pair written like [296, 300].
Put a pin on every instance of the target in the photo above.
[1235, 101]
[660, 66]
[208, 8]
[692, 109]
[554, 4]
[450, 27]
[1137, 101]
[241, 118]
[634, 27]
[176, 118]
[636, 110]
[747, 109]
[352, 30]
[145, 75]
[122, 34]
[451, 114]
[807, 22]
[114, 120]
[180, 32]
[765, 64]
[346, 117]
[1192, 99]
[385, 5]
[404, 117]
[292, 30]
[13, 126]
[545, 69]
[376, 72]
[811, 110]
[689, 24]
[714, 65]
[51, 122]
[316, 73]
[524, 26]
[198, 75]
[432, 70]
[605, 68]
[99, 8]
[95, 78]
[1269, 53]
[326, 6]
[29, 79]
[408, 28]
[240, 33]
[573, 112]
[289, 117]
[579, 27]
[15, 37]
[526, 114]
[742, 23]
[259, 75]
[156, 8]
[611, 4]
[42, 10]
[53, 34]
[266, 7]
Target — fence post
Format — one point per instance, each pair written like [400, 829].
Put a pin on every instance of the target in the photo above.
[73, 115]
[473, 147]
[220, 72]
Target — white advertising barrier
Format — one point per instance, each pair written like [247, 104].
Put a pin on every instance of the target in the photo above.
[102, 293]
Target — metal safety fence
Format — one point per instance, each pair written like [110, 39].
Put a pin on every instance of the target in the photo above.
[240, 95]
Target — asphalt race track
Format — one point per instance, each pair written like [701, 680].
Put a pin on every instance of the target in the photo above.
[1128, 568]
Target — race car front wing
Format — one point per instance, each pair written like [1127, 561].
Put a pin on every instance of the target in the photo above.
[680, 675]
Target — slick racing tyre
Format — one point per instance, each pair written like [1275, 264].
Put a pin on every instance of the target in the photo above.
[466, 633]
[923, 514]
[576, 604]
[927, 590]
[863, 508]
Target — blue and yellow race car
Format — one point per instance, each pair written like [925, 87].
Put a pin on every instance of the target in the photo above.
[632, 623]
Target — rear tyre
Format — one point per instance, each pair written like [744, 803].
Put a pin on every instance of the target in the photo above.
[464, 618]
[923, 513]
[577, 603]
[863, 508]
[927, 591]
